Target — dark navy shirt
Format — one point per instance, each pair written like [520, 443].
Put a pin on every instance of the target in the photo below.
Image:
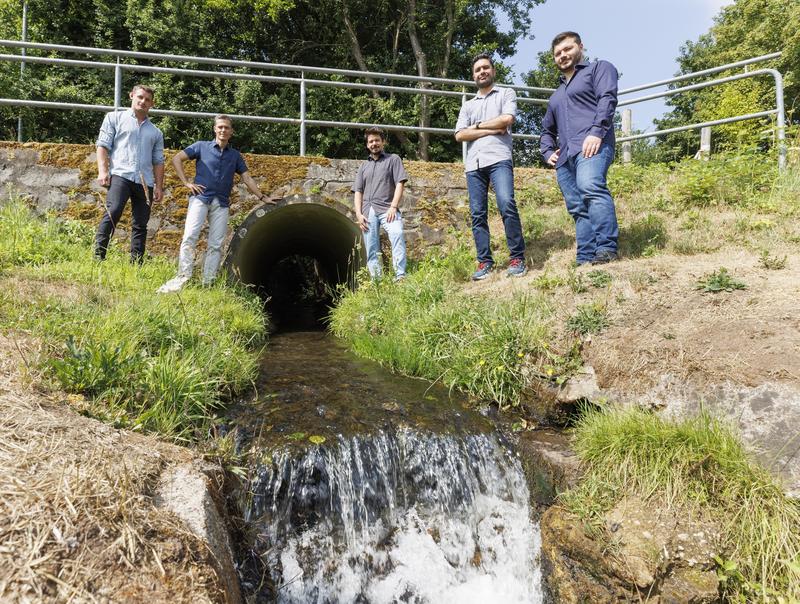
[215, 168]
[581, 107]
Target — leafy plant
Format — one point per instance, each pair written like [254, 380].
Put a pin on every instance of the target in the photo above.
[599, 278]
[719, 281]
[770, 262]
[589, 318]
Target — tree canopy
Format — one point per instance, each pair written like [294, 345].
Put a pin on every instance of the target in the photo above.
[744, 29]
[418, 37]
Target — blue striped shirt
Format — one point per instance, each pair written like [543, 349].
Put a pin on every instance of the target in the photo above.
[134, 148]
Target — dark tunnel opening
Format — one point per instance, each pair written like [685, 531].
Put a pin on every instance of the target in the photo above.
[295, 254]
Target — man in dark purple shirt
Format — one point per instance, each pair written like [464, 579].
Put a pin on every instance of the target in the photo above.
[578, 141]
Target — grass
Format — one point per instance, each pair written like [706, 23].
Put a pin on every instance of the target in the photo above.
[427, 327]
[165, 364]
[700, 464]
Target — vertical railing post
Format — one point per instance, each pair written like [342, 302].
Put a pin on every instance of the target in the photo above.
[464, 144]
[705, 143]
[117, 86]
[781, 119]
[302, 114]
[627, 119]
[22, 64]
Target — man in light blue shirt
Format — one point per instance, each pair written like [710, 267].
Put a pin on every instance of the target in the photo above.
[130, 164]
[484, 123]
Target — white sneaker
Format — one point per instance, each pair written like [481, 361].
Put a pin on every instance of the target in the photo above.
[172, 286]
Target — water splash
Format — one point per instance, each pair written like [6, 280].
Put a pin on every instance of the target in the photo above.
[397, 516]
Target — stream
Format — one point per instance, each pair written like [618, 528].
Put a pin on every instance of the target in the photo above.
[373, 487]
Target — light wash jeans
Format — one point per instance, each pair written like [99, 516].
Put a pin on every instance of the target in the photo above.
[217, 229]
[372, 244]
[589, 202]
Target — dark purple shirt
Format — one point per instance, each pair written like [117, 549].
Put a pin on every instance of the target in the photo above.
[581, 107]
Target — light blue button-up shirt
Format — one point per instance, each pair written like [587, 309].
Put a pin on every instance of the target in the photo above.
[134, 148]
[491, 149]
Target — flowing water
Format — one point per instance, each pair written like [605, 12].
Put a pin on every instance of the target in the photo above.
[410, 497]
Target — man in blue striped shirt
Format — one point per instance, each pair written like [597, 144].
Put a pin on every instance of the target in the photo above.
[130, 164]
[578, 141]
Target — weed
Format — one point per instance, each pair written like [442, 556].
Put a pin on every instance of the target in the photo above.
[576, 282]
[589, 318]
[547, 282]
[719, 281]
[599, 278]
[770, 262]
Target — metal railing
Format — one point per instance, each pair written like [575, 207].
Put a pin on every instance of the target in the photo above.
[428, 86]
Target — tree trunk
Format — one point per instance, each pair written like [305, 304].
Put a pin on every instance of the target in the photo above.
[422, 70]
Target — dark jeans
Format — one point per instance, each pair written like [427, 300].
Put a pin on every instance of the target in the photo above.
[501, 175]
[120, 191]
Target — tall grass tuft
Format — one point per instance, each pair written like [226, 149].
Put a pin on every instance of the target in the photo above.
[695, 463]
[158, 363]
[427, 327]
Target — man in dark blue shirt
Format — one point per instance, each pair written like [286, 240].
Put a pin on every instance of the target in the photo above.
[578, 141]
[216, 163]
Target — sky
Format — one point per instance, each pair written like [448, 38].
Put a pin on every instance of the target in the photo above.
[642, 38]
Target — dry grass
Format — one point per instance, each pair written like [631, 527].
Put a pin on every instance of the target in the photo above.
[77, 522]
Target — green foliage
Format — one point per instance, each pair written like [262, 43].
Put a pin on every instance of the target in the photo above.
[599, 278]
[150, 362]
[719, 281]
[588, 318]
[426, 327]
[355, 34]
[698, 464]
[743, 29]
[735, 180]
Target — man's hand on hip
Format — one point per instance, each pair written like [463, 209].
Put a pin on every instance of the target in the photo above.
[591, 145]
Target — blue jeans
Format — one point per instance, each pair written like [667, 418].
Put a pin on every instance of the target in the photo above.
[501, 175]
[372, 243]
[589, 202]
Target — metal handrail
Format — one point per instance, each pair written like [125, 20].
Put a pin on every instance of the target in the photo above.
[304, 82]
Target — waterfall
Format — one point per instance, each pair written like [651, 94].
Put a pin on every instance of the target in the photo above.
[396, 516]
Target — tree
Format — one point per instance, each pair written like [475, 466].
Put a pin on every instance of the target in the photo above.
[744, 29]
[423, 37]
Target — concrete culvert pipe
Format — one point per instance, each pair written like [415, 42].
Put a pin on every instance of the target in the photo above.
[295, 253]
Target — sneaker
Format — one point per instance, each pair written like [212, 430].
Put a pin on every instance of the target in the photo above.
[516, 268]
[399, 278]
[172, 286]
[604, 257]
[484, 268]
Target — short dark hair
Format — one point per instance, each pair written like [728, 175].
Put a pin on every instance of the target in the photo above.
[563, 36]
[480, 56]
[374, 130]
[144, 88]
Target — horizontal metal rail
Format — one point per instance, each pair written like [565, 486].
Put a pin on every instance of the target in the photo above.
[255, 64]
[245, 118]
[425, 89]
[228, 75]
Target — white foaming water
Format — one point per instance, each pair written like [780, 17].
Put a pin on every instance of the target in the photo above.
[404, 517]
